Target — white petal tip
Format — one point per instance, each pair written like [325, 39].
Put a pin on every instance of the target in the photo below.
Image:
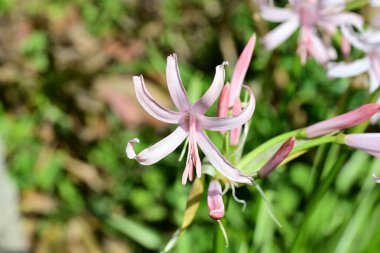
[131, 154]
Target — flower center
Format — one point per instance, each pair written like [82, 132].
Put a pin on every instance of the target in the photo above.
[308, 12]
[193, 161]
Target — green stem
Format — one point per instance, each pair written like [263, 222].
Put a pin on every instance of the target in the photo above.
[267, 145]
[301, 147]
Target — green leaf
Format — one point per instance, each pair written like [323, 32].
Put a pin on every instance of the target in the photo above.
[138, 232]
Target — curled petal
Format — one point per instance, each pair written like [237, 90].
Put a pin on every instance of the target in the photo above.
[159, 150]
[282, 32]
[354, 38]
[151, 106]
[219, 162]
[376, 178]
[228, 123]
[275, 14]
[349, 69]
[240, 70]
[215, 200]
[347, 18]
[175, 86]
[206, 101]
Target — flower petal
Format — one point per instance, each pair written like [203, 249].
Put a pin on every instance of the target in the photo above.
[219, 162]
[240, 70]
[206, 101]
[275, 14]
[319, 50]
[347, 18]
[355, 39]
[349, 69]
[159, 150]
[228, 123]
[175, 86]
[151, 106]
[374, 82]
[282, 32]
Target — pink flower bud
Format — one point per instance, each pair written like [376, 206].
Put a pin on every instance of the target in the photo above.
[215, 200]
[240, 70]
[343, 121]
[223, 101]
[345, 46]
[277, 158]
[235, 133]
[367, 142]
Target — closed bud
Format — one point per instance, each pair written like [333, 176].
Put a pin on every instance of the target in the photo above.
[277, 158]
[215, 200]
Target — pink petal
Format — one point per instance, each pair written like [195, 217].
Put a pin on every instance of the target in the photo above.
[215, 200]
[375, 67]
[159, 150]
[343, 121]
[354, 38]
[275, 14]
[240, 70]
[212, 94]
[151, 106]
[223, 101]
[219, 162]
[175, 86]
[374, 82]
[319, 50]
[282, 32]
[228, 123]
[346, 18]
[349, 69]
[368, 142]
[235, 133]
[277, 158]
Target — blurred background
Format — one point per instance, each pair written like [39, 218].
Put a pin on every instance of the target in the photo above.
[68, 109]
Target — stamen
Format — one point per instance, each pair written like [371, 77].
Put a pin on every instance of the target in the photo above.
[237, 199]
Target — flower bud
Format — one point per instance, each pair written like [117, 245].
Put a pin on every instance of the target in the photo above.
[223, 101]
[235, 133]
[215, 200]
[277, 158]
[343, 121]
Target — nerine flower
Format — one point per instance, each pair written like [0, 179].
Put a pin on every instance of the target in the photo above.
[369, 43]
[310, 16]
[191, 122]
[343, 121]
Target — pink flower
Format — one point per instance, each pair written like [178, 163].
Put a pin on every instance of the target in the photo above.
[369, 43]
[367, 142]
[230, 98]
[215, 200]
[309, 16]
[343, 121]
[191, 121]
[277, 158]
